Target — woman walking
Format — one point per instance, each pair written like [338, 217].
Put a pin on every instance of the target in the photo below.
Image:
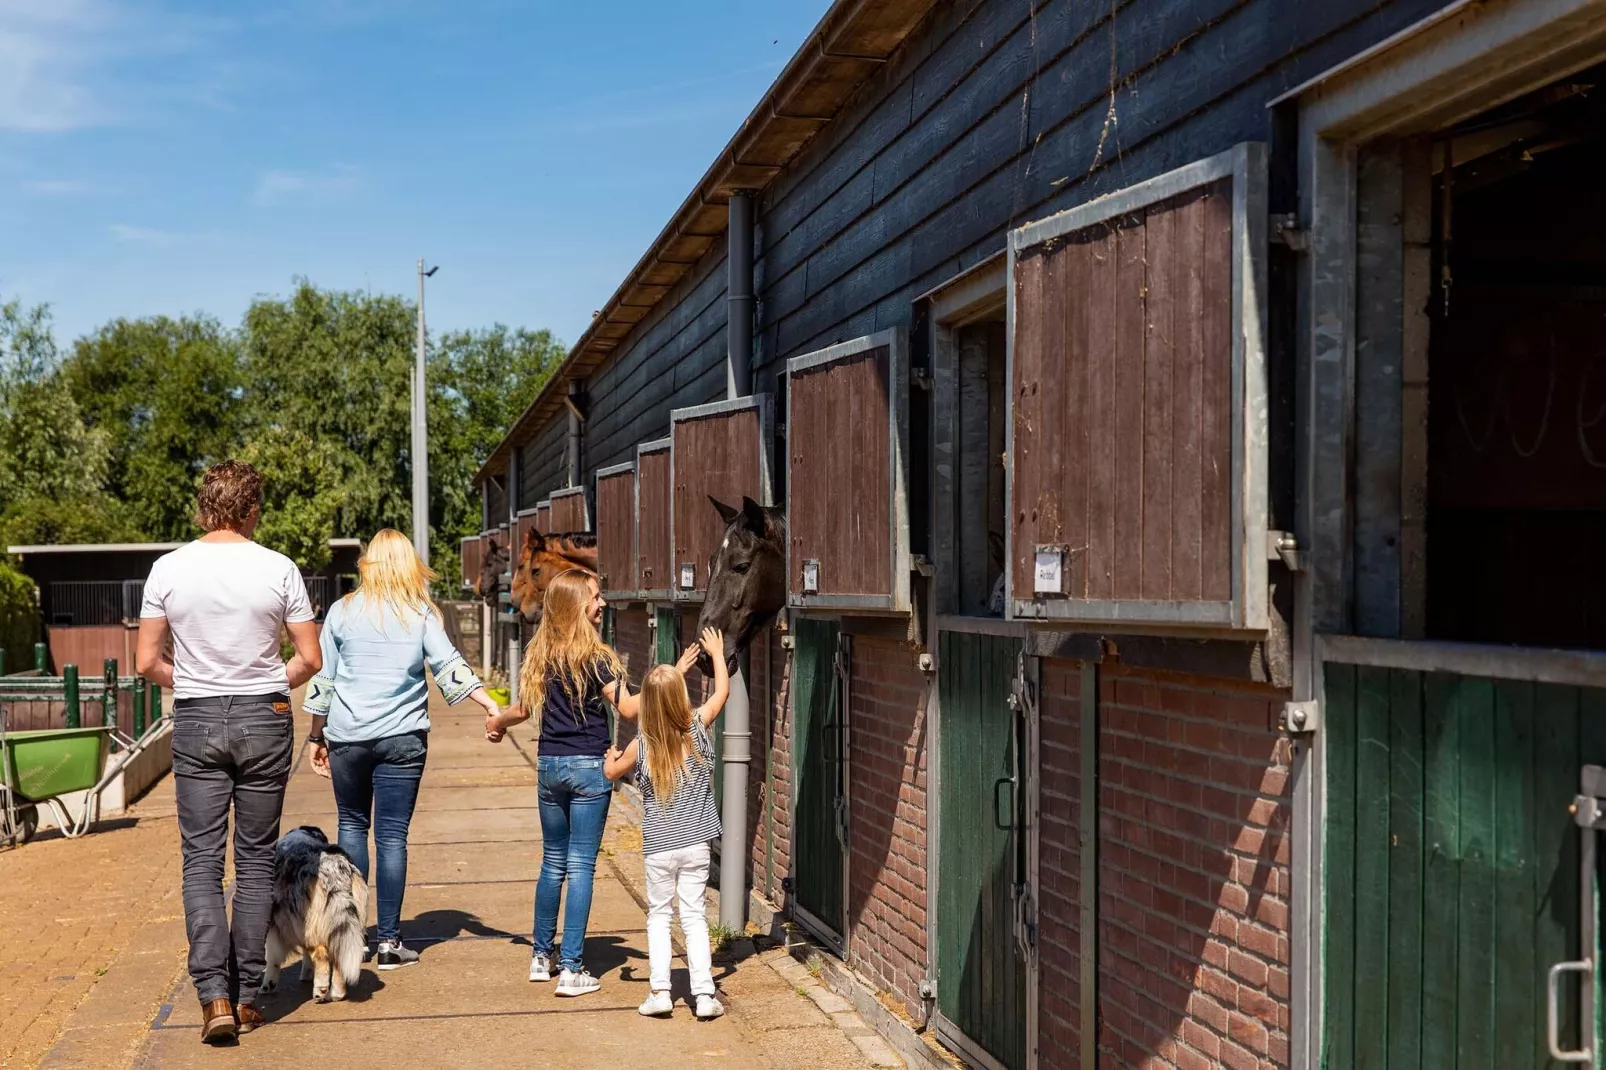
[570, 677]
[370, 723]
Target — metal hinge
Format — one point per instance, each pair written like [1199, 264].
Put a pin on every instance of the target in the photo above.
[928, 989]
[1301, 718]
[1282, 546]
[1285, 229]
[920, 378]
[922, 564]
[788, 642]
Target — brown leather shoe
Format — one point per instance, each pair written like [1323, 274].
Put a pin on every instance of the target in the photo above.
[217, 1021]
[249, 1017]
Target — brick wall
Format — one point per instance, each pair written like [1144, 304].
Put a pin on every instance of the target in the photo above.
[1059, 861]
[887, 808]
[1193, 873]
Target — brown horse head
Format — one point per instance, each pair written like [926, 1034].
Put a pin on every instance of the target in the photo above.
[541, 558]
[746, 576]
[489, 582]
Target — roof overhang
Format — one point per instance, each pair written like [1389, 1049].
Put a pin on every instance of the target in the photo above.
[847, 46]
[137, 547]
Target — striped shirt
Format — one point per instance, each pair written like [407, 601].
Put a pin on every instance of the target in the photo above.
[691, 817]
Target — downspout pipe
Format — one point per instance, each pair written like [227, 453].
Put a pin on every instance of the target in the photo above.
[572, 446]
[506, 599]
[738, 733]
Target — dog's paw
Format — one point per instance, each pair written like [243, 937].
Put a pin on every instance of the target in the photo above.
[268, 987]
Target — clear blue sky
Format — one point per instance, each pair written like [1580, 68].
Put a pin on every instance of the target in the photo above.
[186, 156]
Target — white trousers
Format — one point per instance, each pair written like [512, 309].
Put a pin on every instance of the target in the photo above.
[681, 874]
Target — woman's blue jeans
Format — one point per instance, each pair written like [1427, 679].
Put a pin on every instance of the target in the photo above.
[574, 808]
[379, 776]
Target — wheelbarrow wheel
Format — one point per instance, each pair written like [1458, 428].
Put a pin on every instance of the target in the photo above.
[27, 823]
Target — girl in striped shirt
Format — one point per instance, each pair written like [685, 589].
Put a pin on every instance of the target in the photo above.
[673, 760]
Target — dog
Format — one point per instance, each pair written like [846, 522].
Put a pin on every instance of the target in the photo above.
[320, 912]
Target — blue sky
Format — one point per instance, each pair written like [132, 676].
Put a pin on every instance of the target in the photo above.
[186, 157]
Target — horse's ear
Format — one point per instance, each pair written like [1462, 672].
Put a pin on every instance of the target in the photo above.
[726, 513]
[753, 516]
[535, 541]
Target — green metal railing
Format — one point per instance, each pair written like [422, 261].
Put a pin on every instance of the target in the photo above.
[75, 693]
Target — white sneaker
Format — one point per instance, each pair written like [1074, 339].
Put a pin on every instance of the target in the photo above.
[572, 983]
[709, 1007]
[540, 967]
[657, 1005]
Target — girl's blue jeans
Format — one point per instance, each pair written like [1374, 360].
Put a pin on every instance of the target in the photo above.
[574, 808]
[379, 776]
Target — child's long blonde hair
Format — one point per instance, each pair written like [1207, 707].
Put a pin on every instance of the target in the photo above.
[566, 645]
[666, 715]
[391, 573]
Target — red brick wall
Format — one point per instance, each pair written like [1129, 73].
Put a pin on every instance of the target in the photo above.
[887, 808]
[1059, 862]
[1193, 873]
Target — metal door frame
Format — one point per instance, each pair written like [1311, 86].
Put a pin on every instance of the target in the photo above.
[842, 814]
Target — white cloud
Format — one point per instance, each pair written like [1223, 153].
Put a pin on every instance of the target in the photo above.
[279, 185]
[63, 187]
[159, 239]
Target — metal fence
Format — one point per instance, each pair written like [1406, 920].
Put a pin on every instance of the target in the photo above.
[94, 602]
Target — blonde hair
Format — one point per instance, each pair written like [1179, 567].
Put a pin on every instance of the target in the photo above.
[566, 645]
[666, 715]
[391, 573]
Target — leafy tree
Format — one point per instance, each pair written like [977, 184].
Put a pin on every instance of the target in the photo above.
[300, 493]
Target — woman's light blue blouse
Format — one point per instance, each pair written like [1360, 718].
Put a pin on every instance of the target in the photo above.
[372, 684]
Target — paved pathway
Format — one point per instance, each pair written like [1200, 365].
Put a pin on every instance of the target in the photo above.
[96, 977]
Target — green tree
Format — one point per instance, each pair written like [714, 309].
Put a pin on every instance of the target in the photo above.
[300, 493]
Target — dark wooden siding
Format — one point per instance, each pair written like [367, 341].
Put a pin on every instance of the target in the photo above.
[839, 449]
[543, 518]
[714, 456]
[616, 530]
[473, 555]
[652, 522]
[1123, 409]
[530, 521]
[569, 511]
[498, 501]
[541, 463]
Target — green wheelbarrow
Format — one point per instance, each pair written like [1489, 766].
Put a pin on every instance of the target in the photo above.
[40, 765]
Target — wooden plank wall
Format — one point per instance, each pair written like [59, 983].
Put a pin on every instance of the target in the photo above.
[543, 519]
[529, 522]
[616, 531]
[1123, 415]
[652, 523]
[541, 462]
[568, 513]
[718, 456]
[89, 646]
[840, 456]
[473, 556]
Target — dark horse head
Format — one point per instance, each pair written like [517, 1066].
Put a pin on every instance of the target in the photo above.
[543, 557]
[489, 582]
[746, 576]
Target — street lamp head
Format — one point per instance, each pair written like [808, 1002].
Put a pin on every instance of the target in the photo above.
[432, 271]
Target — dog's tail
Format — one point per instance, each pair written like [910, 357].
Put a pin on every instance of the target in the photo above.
[345, 910]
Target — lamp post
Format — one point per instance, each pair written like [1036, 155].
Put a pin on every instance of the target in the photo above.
[420, 450]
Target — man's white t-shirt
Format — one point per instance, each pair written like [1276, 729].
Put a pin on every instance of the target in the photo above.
[225, 603]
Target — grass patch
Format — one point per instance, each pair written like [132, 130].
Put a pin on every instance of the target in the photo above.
[720, 936]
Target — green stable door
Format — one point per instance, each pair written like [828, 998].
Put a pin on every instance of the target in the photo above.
[1456, 860]
[818, 740]
[981, 973]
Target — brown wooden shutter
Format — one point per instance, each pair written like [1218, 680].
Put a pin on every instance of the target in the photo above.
[654, 571]
[543, 517]
[526, 521]
[720, 450]
[1137, 453]
[847, 507]
[472, 551]
[616, 530]
[568, 511]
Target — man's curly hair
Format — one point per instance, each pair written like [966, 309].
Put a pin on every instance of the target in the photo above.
[230, 492]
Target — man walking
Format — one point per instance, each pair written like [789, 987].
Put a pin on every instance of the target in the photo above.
[224, 599]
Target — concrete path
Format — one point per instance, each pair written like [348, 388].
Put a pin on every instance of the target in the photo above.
[475, 852]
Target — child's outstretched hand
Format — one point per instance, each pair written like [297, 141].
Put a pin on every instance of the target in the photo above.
[713, 641]
[688, 658]
[494, 728]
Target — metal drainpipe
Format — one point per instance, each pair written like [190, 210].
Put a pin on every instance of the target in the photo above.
[738, 720]
[572, 449]
[507, 577]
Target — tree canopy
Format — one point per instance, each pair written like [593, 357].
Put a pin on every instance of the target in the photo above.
[106, 441]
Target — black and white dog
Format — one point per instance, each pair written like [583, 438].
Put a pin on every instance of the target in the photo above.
[320, 912]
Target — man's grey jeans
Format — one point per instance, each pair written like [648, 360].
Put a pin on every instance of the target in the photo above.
[227, 751]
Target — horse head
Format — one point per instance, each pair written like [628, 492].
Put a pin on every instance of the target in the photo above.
[541, 558]
[746, 576]
[489, 581]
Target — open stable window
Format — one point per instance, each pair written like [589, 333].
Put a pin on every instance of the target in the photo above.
[472, 553]
[616, 529]
[653, 568]
[1137, 452]
[568, 511]
[721, 450]
[847, 506]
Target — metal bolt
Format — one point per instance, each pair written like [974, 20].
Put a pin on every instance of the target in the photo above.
[1297, 718]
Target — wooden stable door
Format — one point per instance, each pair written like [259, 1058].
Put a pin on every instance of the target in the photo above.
[819, 740]
[981, 849]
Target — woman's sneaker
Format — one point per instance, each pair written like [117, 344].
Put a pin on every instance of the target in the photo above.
[657, 1005]
[392, 956]
[576, 983]
[540, 967]
[709, 1007]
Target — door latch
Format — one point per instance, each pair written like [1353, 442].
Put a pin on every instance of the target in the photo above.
[1301, 718]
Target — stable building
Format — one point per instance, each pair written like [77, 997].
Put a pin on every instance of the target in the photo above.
[1194, 454]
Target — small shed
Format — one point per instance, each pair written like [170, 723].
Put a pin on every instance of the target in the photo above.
[654, 565]
[847, 502]
[720, 450]
[569, 512]
[616, 530]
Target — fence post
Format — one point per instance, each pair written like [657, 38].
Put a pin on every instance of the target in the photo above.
[108, 706]
[2, 661]
[41, 657]
[139, 706]
[69, 686]
[153, 699]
